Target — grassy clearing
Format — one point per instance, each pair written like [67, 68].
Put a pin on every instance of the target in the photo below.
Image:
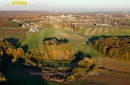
[32, 39]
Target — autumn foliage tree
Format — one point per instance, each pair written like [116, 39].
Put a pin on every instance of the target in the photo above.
[114, 47]
[85, 67]
[53, 49]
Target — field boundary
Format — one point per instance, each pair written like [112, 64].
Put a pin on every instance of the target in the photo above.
[115, 65]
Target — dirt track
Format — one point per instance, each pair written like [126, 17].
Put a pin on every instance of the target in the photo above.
[110, 78]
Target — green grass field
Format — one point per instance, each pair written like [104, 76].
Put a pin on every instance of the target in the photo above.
[32, 39]
[78, 44]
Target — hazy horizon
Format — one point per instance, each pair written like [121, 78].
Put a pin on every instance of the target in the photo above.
[71, 6]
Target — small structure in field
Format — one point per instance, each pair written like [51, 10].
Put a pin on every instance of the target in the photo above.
[33, 30]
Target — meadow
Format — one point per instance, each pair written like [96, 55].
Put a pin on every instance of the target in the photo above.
[78, 42]
[76, 39]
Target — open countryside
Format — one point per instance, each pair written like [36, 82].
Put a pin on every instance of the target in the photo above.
[48, 43]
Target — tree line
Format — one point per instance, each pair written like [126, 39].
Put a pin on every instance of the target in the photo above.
[114, 47]
[49, 49]
[52, 49]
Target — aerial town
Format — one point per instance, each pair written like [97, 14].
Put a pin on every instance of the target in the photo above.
[65, 20]
[55, 48]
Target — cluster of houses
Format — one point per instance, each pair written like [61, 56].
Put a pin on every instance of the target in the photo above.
[85, 19]
[57, 20]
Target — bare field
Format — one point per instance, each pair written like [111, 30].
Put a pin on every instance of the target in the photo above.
[123, 26]
[106, 30]
[109, 78]
[115, 65]
[100, 30]
[13, 33]
[112, 29]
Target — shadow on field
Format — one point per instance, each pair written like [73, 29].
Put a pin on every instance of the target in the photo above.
[13, 41]
[54, 38]
[78, 56]
[19, 74]
[25, 48]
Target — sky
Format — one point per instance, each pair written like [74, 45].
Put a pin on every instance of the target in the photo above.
[70, 5]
